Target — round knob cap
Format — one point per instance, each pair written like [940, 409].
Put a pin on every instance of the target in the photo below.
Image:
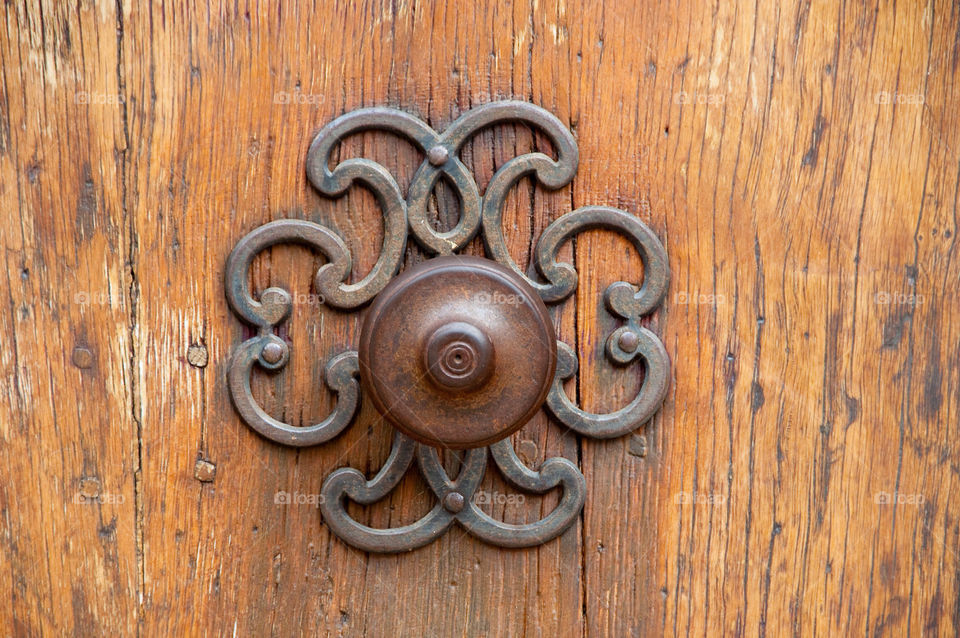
[459, 356]
[458, 352]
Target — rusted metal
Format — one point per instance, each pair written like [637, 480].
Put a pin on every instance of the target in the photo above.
[270, 352]
[460, 351]
[455, 498]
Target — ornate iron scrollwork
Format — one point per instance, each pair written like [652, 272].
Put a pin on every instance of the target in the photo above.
[631, 343]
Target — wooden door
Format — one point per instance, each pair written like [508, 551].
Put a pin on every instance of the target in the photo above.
[800, 161]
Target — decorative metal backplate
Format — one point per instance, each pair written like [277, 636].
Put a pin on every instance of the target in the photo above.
[631, 343]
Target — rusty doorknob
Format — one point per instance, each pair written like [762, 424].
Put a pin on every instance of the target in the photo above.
[458, 352]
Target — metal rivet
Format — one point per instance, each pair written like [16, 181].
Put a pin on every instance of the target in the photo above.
[90, 487]
[197, 355]
[637, 445]
[629, 341]
[82, 357]
[272, 352]
[438, 155]
[204, 471]
[453, 502]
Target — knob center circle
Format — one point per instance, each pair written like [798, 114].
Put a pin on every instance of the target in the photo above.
[459, 356]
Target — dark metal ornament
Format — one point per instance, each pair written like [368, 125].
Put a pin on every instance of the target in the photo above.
[458, 352]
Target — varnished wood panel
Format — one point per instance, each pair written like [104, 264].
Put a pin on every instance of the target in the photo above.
[799, 161]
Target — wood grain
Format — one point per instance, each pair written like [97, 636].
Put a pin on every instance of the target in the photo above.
[68, 436]
[798, 159]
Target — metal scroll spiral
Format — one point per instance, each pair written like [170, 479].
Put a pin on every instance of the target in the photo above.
[479, 213]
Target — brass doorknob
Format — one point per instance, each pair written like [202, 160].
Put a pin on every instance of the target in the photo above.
[458, 352]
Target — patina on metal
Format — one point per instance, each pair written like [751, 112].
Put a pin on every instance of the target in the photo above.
[457, 352]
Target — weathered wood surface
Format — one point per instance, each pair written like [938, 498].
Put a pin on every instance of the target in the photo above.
[798, 159]
[69, 449]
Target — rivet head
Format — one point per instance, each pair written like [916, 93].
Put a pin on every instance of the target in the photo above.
[82, 357]
[90, 487]
[629, 341]
[197, 355]
[637, 445]
[204, 471]
[453, 502]
[272, 352]
[438, 155]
